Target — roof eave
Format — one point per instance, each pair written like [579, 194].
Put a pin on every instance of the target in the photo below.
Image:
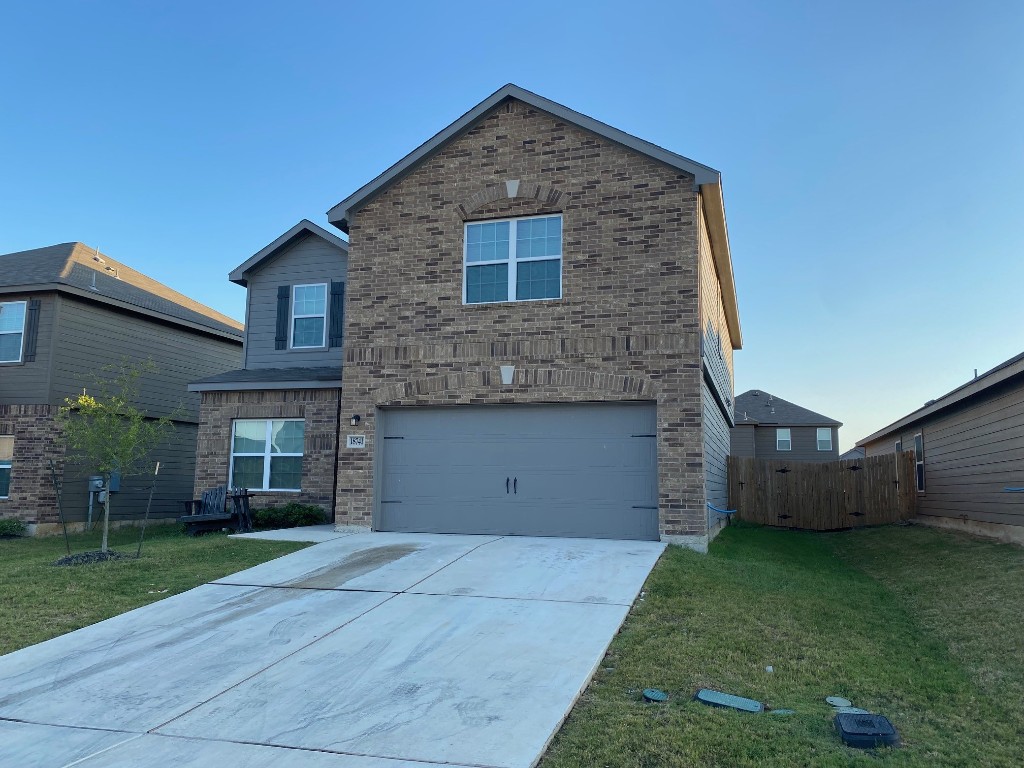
[718, 233]
[225, 333]
[971, 388]
[340, 215]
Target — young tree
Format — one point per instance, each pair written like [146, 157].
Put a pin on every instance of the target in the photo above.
[108, 431]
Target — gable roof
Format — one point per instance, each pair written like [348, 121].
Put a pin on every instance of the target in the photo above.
[706, 179]
[240, 274]
[761, 407]
[81, 270]
[1002, 372]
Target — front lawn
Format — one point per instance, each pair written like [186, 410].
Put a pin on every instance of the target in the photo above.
[39, 600]
[920, 625]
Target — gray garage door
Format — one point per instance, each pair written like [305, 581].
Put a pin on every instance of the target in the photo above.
[545, 470]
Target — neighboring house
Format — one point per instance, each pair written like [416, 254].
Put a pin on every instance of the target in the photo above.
[540, 319]
[65, 312]
[768, 427]
[969, 451]
[853, 453]
[272, 425]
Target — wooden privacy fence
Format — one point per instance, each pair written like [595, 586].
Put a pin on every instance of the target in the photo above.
[824, 496]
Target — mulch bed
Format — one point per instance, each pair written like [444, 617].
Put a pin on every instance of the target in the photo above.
[85, 558]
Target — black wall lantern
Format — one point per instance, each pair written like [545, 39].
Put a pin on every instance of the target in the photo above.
[354, 421]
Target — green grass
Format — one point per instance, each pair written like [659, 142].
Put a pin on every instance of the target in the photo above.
[921, 625]
[39, 600]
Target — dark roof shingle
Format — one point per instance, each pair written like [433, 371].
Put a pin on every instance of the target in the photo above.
[86, 271]
[765, 408]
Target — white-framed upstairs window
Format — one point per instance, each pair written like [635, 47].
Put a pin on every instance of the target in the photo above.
[309, 316]
[6, 459]
[824, 438]
[12, 330]
[513, 260]
[266, 454]
[783, 439]
[919, 460]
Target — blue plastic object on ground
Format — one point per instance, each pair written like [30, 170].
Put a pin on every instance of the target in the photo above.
[654, 696]
[727, 701]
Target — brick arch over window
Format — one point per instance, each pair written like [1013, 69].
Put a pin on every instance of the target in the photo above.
[571, 384]
[512, 190]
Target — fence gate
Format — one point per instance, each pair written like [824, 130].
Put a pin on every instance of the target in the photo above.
[824, 496]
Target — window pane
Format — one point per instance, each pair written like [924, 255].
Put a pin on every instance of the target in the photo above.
[487, 283]
[539, 237]
[487, 242]
[250, 437]
[310, 300]
[538, 279]
[247, 472]
[824, 439]
[10, 347]
[286, 472]
[5, 480]
[12, 316]
[308, 332]
[286, 436]
[918, 447]
[6, 448]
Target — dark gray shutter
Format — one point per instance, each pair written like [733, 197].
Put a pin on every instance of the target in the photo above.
[284, 294]
[337, 314]
[31, 329]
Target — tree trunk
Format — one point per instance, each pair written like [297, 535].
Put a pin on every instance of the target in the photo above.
[106, 516]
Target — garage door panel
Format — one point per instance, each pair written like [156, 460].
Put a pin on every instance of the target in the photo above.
[579, 470]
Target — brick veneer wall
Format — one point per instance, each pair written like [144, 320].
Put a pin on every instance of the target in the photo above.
[37, 439]
[626, 328]
[319, 409]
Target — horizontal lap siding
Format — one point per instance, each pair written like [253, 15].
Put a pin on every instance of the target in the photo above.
[90, 336]
[741, 440]
[716, 451]
[309, 260]
[805, 444]
[973, 452]
[28, 383]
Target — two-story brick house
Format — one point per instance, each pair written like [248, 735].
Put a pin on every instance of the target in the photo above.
[66, 311]
[540, 320]
[539, 325]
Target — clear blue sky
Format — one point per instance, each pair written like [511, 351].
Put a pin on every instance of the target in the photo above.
[872, 152]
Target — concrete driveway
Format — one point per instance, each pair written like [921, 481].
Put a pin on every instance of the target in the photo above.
[368, 650]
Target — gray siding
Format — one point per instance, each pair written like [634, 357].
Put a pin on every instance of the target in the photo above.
[972, 452]
[805, 444]
[89, 336]
[177, 457]
[308, 260]
[741, 440]
[29, 383]
[716, 451]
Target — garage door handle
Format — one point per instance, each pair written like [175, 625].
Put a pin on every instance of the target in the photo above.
[506, 485]
[515, 483]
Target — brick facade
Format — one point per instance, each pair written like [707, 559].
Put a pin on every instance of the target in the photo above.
[319, 409]
[627, 327]
[37, 440]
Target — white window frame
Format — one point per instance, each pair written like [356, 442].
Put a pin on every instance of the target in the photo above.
[817, 438]
[511, 261]
[8, 463]
[919, 462]
[24, 322]
[266, 454]
[291, 324]
[779, 438]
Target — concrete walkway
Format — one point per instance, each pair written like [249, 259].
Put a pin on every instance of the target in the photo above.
[368, 650]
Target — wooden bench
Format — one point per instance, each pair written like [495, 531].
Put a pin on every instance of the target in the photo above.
[210, 513]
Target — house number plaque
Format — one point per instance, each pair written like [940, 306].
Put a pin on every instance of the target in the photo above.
[355, 441]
